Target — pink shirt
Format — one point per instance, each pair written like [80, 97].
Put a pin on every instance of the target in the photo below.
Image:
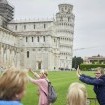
[43, 86]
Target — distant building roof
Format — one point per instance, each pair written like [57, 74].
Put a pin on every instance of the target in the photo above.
[98, 57]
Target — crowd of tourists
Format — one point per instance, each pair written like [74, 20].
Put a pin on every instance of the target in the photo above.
[13, 83]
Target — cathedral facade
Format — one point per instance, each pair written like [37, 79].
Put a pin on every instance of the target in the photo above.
[38, 44]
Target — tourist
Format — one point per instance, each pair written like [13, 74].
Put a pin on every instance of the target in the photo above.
[41, 82]
[12, 86]
[77, 94]
[98, 82]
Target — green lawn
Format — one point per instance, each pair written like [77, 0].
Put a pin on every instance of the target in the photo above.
[61, 82]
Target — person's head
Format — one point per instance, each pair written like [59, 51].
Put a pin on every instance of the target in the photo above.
[99, 72]
[43, 74]
[12, 84]
[77, 94]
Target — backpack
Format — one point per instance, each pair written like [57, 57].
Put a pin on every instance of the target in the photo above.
[52, 95]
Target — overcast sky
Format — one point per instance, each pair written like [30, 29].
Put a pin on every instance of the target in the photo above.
[89, 30]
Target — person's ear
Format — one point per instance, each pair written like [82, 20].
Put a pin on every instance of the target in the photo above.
[16, 96]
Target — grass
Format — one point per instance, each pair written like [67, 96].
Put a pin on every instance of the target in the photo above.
[61, 82]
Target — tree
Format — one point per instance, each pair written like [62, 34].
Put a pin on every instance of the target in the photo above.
[76, 61]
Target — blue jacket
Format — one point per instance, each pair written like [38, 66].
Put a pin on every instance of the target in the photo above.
[2, 102]
[99, 86]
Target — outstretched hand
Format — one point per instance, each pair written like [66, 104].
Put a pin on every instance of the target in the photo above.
[78, 71]
[34, 73]
[29, 69]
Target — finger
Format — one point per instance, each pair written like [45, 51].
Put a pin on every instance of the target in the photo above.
[78, 66]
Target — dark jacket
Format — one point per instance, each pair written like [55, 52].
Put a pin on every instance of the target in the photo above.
[99, 86]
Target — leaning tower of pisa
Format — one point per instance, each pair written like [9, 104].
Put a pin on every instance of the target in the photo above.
[65, 31]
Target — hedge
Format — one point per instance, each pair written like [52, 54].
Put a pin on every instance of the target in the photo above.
[91, 66]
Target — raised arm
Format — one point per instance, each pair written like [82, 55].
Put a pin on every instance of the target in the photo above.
[88, 79]
[78, 72]
[34, 73]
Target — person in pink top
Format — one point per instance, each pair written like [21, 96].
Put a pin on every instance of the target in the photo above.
[42, 83]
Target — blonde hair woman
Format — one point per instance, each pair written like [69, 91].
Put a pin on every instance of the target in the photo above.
[77, 94]
[12, 86]
[41, 82]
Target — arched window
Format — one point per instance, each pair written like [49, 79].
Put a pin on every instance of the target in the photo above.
[65, 7]
[26, 39]
[44, 38]
[61, 19]
[24, 27]
[62, 10]
[38, 38]
[32, 39]
[34, 26]
[16, 27]
[27, 54]
[68, 19]
[44, 25]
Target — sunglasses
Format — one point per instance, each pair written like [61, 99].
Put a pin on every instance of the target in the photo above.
[97, 73]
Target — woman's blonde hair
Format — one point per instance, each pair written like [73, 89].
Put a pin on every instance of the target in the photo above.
[77, 94]
[12, 82]
[44, 72]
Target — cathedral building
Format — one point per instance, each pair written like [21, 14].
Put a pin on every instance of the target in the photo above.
[39, 44]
